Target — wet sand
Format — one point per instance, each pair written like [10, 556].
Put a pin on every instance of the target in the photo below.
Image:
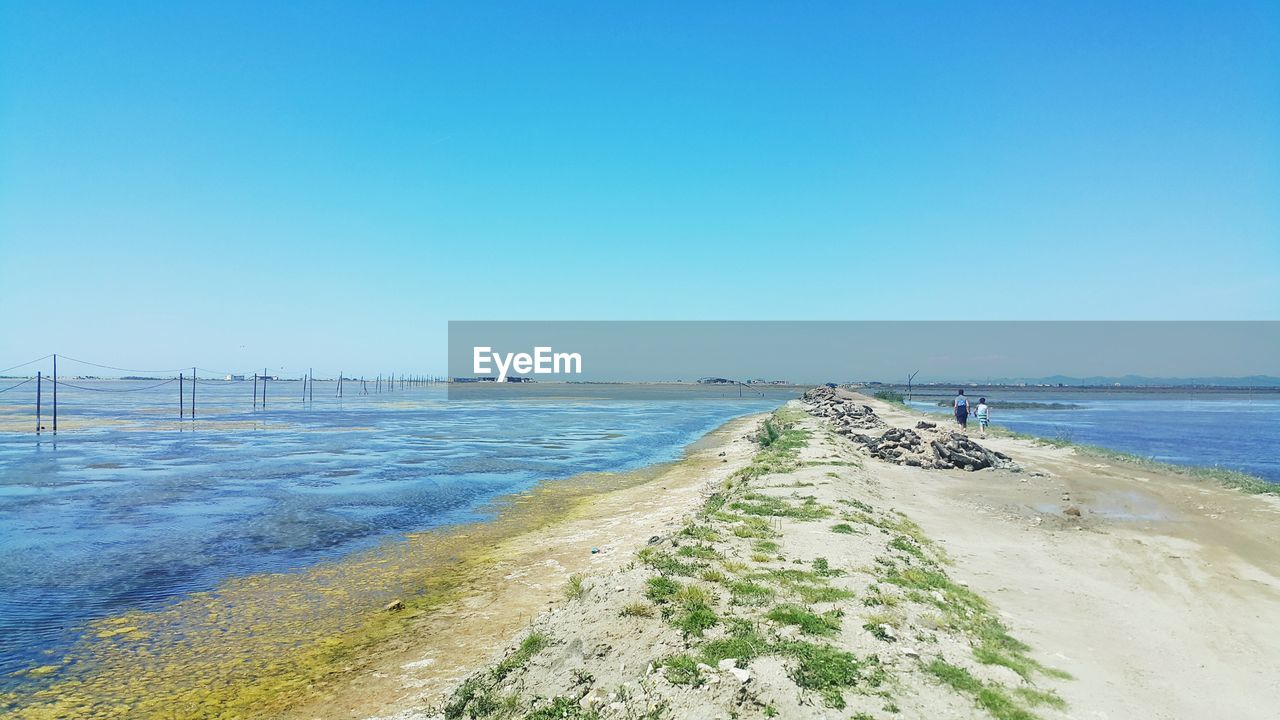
[524, 574]
[267, 645]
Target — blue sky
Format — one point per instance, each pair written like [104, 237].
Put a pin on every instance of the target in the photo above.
[292, 184]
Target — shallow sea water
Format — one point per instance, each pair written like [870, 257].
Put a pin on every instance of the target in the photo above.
[1239, 431]
[131, 510]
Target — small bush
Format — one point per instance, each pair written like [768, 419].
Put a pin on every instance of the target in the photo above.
[661, 589]
[638, 609]
[573, 588]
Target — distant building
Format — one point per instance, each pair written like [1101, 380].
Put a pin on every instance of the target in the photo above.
[233, 378]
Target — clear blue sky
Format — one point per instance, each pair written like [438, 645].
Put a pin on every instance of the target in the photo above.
[292, 184]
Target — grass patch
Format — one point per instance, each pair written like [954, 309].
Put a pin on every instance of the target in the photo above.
[1036, 698]
[700, 532]
[668, 564]
[822, 568]
[780, 443]
[705, 552]
[637, 609]
[910, 547]
[561, 708]
[765, 546]
[824, 669]
[661, 589]
[695, 618]
[754, 528]
[953, 675]
[809, 622]
[842, 529]
[854, 503]
[713, 504]
[1001, 706]
[573, 588]
[745, 592]
[769, 506]
[743, 643]
[714, 576]
[530, 646]
[681, 670]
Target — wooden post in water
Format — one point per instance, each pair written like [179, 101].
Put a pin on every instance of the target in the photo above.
[255, 389]
[264, 388]
[193, 392]
[182, 412]
[55, 394]
[38, 381]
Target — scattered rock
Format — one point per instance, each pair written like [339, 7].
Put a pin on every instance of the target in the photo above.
[742, 675]
[727, 664]
[911, 653]
[1073, 511]
[927, 446]
[394, 606]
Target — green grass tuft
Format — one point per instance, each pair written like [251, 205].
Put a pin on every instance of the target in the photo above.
[809, 622]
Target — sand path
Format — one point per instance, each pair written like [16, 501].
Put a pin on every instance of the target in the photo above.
[1163, 599]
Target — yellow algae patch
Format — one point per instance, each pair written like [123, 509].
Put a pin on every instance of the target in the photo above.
[261, 645]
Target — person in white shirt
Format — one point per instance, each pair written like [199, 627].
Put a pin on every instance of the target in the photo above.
[983, 413]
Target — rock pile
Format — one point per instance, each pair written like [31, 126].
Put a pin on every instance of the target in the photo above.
[845, 414]
[926, 446]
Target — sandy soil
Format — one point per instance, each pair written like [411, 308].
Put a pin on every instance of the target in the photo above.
[528, 574]
[1163, 599]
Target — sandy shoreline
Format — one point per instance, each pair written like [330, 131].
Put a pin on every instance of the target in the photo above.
[266, 645]
[526, 573]
[1160, 599]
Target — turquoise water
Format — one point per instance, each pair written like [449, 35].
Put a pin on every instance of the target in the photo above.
[1240, 431]
[110, 518]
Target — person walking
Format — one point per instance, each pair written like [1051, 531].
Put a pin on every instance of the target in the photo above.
[961, 407]
[983, 414]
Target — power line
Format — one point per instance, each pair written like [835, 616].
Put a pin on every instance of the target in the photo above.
[32, 362]
[24, 382]
[112, 367]
[81, 387]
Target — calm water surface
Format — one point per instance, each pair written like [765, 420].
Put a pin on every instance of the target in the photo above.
[1240, 431]
[116, 517]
